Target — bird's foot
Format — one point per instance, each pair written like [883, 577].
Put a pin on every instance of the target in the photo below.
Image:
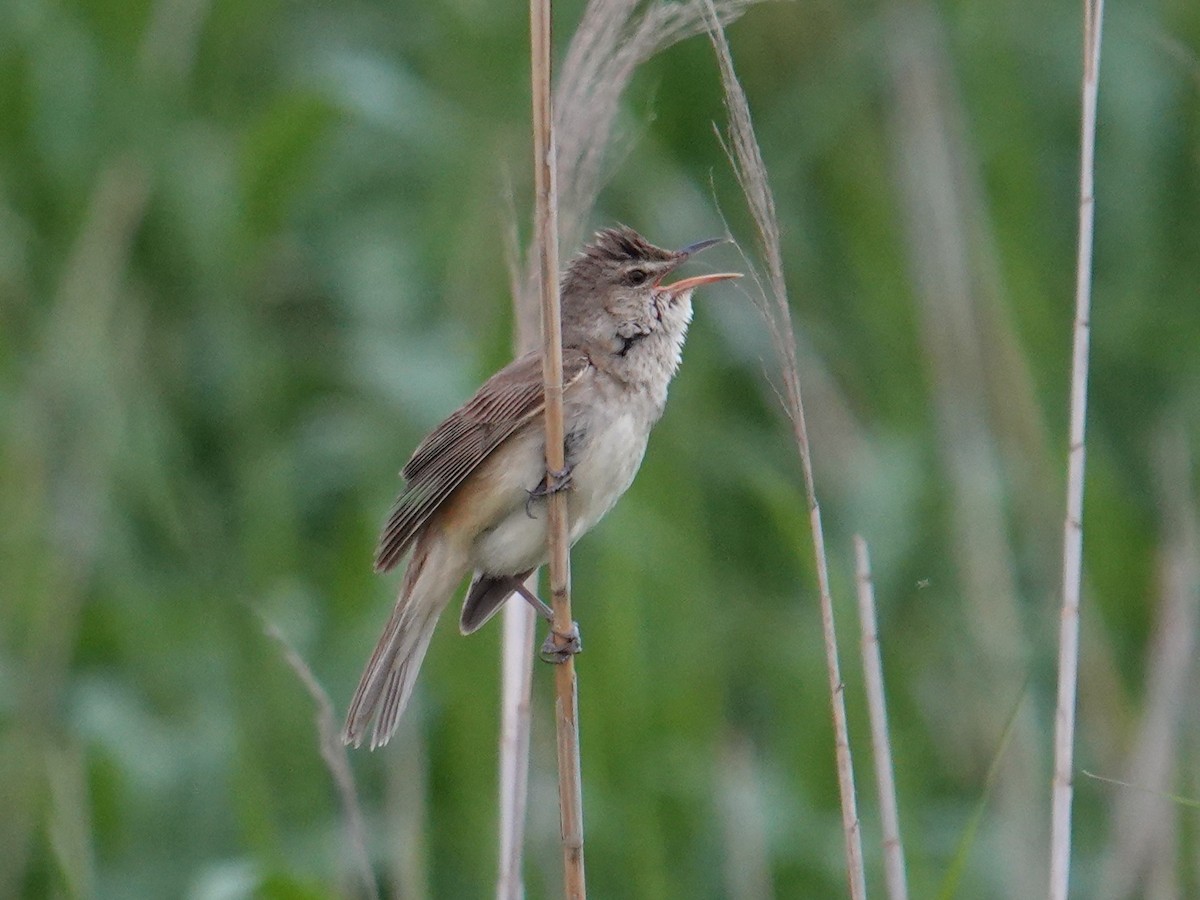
[551, 483]
[559, 647]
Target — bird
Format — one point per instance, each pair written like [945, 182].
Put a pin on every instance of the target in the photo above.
[475, 489]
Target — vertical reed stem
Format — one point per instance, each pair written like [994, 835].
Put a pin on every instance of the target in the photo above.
[516, 682]
[1068, 643]
[569, 789]
[885, 776]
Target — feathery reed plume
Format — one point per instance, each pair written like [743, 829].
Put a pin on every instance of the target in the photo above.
[1068, 643]
[337, 761]
[751, 173]
[612, 40]
[885, 777]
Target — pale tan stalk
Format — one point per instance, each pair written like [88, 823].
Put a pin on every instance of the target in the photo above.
[570, 796]
[1068, 643]
[516, 684]
[885, 777]
[752, 175]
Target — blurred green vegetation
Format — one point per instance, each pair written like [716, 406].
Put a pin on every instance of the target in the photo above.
[250, 251]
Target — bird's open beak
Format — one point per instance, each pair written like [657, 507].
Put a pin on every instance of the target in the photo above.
[689, 284]
[692, 249]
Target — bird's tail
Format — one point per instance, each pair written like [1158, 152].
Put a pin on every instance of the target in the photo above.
[387, 683]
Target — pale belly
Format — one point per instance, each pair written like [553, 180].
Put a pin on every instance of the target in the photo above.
[603, 467]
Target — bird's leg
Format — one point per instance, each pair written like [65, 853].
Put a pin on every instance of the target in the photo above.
[551, 483]
[559, 647]
[532, 599]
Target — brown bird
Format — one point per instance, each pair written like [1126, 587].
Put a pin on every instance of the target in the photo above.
[475, 489]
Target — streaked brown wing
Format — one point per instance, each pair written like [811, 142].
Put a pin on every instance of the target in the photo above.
[454, 449]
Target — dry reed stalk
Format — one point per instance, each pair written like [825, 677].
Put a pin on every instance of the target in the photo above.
[570, 796]
[885, 777]
[1068, 643]
[751, 173]
[516, 685]
[336, 758]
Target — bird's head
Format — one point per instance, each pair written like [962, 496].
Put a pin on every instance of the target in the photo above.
[616, 304]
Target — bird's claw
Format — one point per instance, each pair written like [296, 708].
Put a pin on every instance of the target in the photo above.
[551, 483]
[559, 647]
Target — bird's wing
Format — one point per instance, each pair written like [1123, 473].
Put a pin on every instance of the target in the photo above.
[454, 449]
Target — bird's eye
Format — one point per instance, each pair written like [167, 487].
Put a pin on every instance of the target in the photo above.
[636, 276]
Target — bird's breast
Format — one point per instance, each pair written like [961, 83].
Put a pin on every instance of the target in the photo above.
[606, 452]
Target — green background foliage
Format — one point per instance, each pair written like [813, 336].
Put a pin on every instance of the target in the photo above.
[251, 251]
